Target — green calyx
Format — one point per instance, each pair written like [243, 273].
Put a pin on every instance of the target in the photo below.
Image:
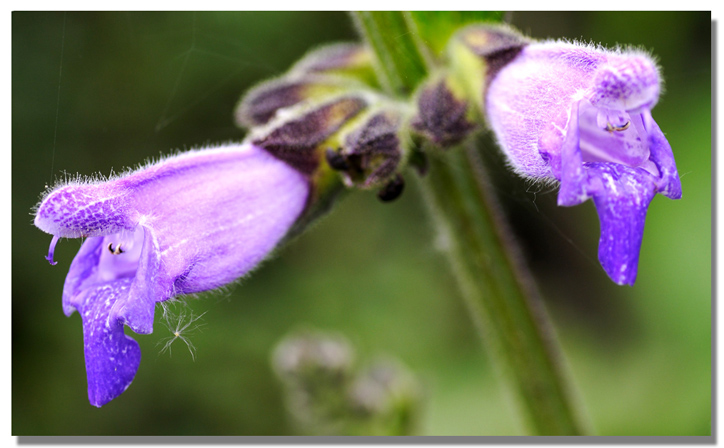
[346, 60]
[477, 52]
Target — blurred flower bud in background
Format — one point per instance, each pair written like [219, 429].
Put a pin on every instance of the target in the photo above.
[326, 395]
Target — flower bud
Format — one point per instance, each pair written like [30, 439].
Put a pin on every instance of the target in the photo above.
[372, 150]
[443, 112]
[393, 189]
[261, 104]
[314, 109]
[325, 395]
[349, 60]
[316, 370]
[324, 72]
[296, 136]
[304, 357]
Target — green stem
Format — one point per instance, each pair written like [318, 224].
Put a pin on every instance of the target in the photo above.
[497, 287]
[499, 290]
[399, 63]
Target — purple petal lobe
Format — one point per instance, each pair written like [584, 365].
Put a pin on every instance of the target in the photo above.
[111, 357]
[622, 199]
[669, 183]
[82, 273]
[572, 191]
[137, 307]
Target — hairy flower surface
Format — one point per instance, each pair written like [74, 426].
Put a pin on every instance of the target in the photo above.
[189, 223]
[582, 115]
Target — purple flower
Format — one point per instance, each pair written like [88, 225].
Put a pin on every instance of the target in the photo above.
[582, 115]
[189, 223]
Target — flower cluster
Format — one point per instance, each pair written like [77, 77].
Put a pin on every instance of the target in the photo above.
[363, 136]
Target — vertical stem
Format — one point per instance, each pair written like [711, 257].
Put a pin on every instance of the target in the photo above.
[497, 287]
[498, 290]
[399, 63]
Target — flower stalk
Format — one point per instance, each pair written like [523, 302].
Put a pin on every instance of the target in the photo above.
[399, 62]
[495, 283]
[498, 290]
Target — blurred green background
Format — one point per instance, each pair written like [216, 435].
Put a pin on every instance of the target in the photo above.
[136, 85]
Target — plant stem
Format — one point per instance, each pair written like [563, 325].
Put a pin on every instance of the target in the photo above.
[400, 65]
[498, 290]
[497, 287]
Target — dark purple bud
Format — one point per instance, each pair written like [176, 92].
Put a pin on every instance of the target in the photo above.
[296, 140]
[260, 105]
[373, 150]
[441, 117]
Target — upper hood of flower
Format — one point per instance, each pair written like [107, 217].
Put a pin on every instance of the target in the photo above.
[534, 94]
[626, 82]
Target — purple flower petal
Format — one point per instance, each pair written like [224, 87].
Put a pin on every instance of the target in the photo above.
[82, 273]
[111, 357]
[572, 175]
[622, 199]
[669, 183]
[148, 287]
